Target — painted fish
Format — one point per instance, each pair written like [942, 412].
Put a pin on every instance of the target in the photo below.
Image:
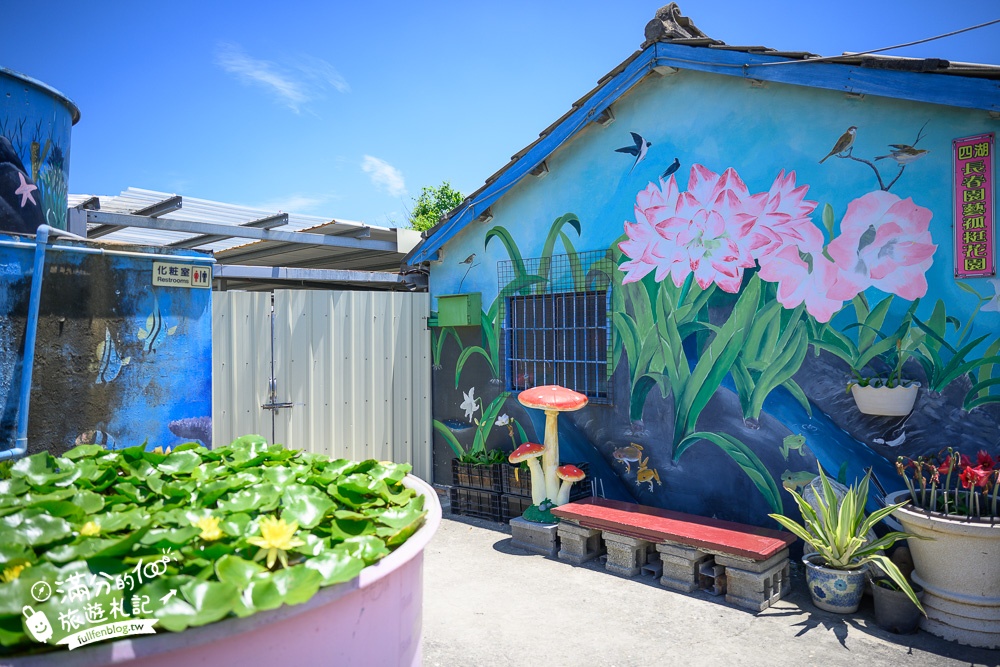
[95, 437]
[156, 329]
[792, 442]
[109, 362]
[193, 428]
[796, 481]
[628, 455]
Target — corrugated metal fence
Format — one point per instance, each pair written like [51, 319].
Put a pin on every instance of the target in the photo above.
[354, 366]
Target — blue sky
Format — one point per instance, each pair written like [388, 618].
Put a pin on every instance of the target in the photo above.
[346, 109]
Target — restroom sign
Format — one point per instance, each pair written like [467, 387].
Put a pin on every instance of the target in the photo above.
[167, 274]
[975, 235]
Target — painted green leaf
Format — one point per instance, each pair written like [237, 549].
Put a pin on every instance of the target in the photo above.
[449, 437]
[744, 457]
[508, 242]
[487, 421]
[782, 368]
[715, 362]
[828, 221]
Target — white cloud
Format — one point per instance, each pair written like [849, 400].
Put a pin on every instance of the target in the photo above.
[384, 175]
[295, 203]
[298, 82]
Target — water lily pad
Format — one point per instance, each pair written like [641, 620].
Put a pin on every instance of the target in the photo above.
[336, 566]
[180, 462]
[237, 571]
[305, 504]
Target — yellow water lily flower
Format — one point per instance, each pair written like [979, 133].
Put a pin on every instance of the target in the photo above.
[276, 537]
[161, 450]
[13, 572]
[90, 529]
[209, 528]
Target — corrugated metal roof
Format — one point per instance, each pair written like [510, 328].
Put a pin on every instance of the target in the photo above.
[258, 253]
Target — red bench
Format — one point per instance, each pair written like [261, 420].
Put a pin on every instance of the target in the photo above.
[747, 563]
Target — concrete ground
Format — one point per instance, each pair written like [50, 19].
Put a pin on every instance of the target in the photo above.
[488, 603]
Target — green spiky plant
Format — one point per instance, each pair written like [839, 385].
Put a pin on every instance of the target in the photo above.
[838, 531]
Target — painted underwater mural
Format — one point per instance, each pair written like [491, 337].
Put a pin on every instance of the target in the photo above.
[118, 361]
[746, 295]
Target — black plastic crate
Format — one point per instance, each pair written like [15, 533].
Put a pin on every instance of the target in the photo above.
[513, 506]
[470, 476]
[517, 482]
[476, 503]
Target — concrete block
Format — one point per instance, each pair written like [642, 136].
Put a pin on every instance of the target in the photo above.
[653, 567]
[539, 538]
[752, 586]
[626, 555]
[680, 566]
[577, 544]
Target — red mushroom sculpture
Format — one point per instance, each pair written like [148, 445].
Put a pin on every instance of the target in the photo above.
[529, 452]
[569, 474]
[553, 399]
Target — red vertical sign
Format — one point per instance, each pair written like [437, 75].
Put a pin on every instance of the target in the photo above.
[975, 238]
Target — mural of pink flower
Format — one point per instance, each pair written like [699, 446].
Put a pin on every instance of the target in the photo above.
[884, 242]
[697, 231]
[781, 217]
[803, 277]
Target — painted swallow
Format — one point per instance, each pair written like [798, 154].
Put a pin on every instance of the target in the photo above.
[674, 166]
[844, 143]
[904, 154]
[639, 150]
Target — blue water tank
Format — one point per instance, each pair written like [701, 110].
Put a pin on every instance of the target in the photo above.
[35, 125]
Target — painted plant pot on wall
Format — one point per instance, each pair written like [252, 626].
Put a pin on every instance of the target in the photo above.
[878, 399]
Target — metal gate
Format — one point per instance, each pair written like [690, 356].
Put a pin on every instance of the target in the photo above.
[346, 374]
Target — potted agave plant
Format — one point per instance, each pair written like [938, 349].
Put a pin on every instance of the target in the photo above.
[954, 502]
[836, 530]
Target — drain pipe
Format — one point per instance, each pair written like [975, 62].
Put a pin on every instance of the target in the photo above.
[31, 329]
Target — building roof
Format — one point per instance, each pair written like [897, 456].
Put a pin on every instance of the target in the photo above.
[379, 249]
[672, 42]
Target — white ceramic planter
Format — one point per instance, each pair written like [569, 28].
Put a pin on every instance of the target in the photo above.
[375, 619]
[885, 401]
[959, 568]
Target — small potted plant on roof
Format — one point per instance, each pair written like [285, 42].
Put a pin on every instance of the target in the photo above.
[837, 531]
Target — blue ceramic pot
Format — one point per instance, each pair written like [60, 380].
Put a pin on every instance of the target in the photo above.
[838, 591]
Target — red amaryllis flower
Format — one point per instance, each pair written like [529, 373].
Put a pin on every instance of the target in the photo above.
[946, 467]
[984, 460]
[972, 477]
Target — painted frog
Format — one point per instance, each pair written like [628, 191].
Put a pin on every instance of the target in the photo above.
[646, 475]
[628, 454]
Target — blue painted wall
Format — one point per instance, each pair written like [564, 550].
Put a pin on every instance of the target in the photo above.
[119, 361]
[711, 124]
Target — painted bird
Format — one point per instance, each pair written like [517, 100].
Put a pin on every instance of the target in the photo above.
[844, 143]
[639, 150]
[469, 259]
[674, 166]
[904, 154]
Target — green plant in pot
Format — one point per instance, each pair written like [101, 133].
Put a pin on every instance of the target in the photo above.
[836, 529]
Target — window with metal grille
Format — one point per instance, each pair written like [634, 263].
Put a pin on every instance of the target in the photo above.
[555, 329]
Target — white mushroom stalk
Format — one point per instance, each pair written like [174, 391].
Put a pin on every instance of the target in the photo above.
[569, 474]
[529, 453]
[553, 399]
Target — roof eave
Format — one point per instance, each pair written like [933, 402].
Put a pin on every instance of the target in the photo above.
[846, 74]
